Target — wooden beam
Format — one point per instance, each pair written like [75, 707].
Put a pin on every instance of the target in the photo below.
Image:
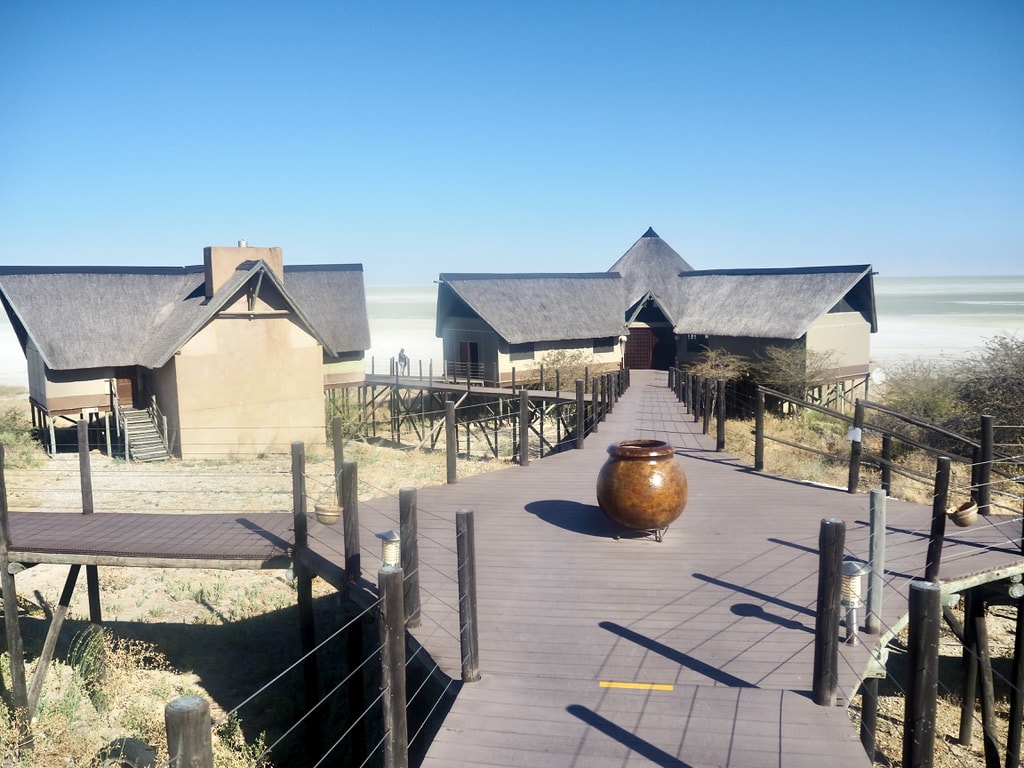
[50, 643]
[28, 557]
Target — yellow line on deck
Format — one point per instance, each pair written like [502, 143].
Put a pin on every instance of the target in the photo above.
[637, 686]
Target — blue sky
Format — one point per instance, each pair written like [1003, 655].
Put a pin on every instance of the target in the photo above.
[418, 138]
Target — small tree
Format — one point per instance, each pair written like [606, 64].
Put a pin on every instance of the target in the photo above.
[793, 370]
[719, 364]
[924, 389]
[570, 364]
[992, 381]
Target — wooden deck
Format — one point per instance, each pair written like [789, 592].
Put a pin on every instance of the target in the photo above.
[695, 651]
[227, 541]
[596, 650]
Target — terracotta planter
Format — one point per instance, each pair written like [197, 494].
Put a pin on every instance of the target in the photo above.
[640, 486]
[328, 514]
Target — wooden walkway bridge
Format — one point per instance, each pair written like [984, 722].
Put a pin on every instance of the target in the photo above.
[696, 651]
[595, 650]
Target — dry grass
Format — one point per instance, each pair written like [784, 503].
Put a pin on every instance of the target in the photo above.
[829, 436]
[216, 634]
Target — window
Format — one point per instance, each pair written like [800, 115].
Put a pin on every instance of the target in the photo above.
[696, 342]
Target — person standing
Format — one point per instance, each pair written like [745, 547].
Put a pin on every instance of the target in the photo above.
[403, 362]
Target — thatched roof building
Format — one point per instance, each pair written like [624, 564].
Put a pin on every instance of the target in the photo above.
[96, 317]
[214, 349]
[491, 324]
[536, 307]
[672, 312]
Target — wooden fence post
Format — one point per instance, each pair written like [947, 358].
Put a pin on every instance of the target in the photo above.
[581, 418]
[887, 464]
[873, 619]
[92, 577]
[409, 530]
[1016, 716]
[524, 427]
[698, 388]
[969, 689]
[989, 725]
[189, 733]
[869, 715]
[350, 519]
[985, 470]
[938, 529]
[468, 635]
[705, 407]
[856, 435]
[825, 682]
[338, 444]
[720, 416]
[451, 448]
[391, 619]
[759, 431]
[304, 586]
[923, 663]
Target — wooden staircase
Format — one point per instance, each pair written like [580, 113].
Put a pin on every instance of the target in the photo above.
[144, 441]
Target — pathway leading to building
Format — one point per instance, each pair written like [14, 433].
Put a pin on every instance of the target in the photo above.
[694, 651]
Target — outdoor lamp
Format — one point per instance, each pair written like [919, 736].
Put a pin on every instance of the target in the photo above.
[1015, 588]
[391, 548]
[854, 572]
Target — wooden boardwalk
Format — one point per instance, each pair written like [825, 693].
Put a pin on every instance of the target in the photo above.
[696, 651]
[226, 541]
[596, 650]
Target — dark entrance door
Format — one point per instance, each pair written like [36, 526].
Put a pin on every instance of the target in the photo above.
[469, 359]
[640, 348]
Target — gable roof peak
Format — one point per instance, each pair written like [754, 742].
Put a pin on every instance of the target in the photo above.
[650, 233]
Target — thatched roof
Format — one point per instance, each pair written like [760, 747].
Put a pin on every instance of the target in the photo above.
[769, 303]
[334, 301]
[649, 266]
[98, 317]
[537, 307]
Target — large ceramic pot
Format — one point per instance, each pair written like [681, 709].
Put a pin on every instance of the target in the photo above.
[640, 486]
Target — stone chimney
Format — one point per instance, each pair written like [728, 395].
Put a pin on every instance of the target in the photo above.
[222, 261]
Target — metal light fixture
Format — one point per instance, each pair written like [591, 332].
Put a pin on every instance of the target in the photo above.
[1015, 588]
[851, 598]
[391, 548]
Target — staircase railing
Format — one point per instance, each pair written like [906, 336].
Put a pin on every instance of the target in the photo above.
[160, 421]
[120, 423]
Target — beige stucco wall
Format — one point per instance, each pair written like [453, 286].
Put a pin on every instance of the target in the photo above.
[344, 373]
[845, 336]
[249, 384]
[71, 397]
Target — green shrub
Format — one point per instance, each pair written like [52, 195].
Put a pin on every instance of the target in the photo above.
[991, 381]
[20, 446]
